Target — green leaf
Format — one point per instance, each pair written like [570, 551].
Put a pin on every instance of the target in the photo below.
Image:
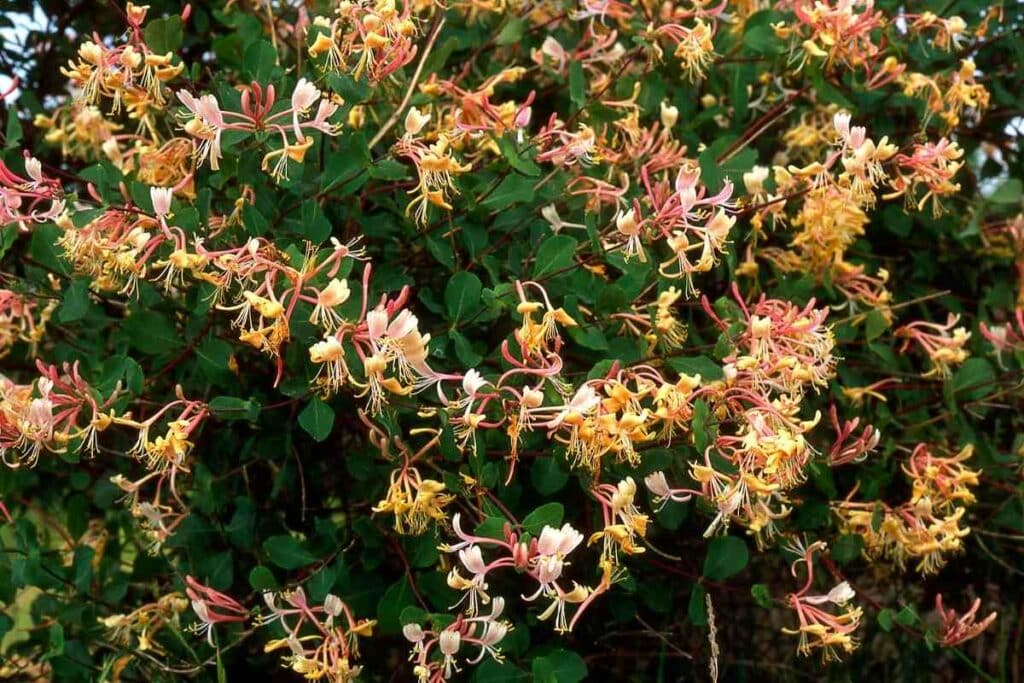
[242, 527]
[885, 618]
[523, 164]
[394, 601]
[875, 325]
[389, 169]
[317, 419]
[76, 302]
[548, 514]
[708, 368]
[164, 35]
[696, 609]
[547, 475]
[758, 34]
[761, 596]
[974, 379]
[262, 579]
[254, 222]
[14, 133]
[727, 556]
[554, 254]
[701, 425]
[261, 60]
[1008, 193]
[577, 83]
[906, 616]
[151, 333]
[846, 548]
[462, 295]
[8, 236]
[559, 666]
[513, 189]
[233, 408]
[287, 552]
[493, 671]
[512, 32]
[315, 227]
[464, 349]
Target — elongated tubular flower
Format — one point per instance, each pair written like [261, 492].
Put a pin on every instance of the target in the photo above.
[657, 484]
[789, 348]
[959, 628]
[943, 343]
[322, 640]
[818, 629]
[1006, 337]
[213, 607]
[206, 125]
[846, 450]
[36, 199]
[944, 481]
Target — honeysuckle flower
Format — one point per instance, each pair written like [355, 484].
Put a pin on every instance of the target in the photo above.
[413, 633]
[657, 484]
[330, 297]
[628, 226]
[415, 120]
[560, 599]
[329, 354]
[550, 214]
[448, 643]
[846, 450]
[958, 629]
[841, 594]
[207, 125]
[161, 198]
[475, 588]
[303, 97]
[212, 607]
[473, 382]
[943, 343]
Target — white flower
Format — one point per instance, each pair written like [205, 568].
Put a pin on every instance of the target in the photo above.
[413, 633]
[839, 596]
[34, 168]
[558, 541]
[161, 197]
[473, 559]
[625, 223]
[550, 214]
[334, 294]
[657, 484]
[754, 179]
[415, 120]
[376, 324]
[449, 642]
[841, 121]
[333, 605]
[303, 97]
[472, 382]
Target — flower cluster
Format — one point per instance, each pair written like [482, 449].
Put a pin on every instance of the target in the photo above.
[676, 331]
[928, 527]
[819, 629]
[943, 343]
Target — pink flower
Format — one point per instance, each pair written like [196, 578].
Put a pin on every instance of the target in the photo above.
[212, 607]
[207, 125]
